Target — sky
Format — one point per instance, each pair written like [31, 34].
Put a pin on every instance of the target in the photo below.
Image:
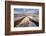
[25, 10]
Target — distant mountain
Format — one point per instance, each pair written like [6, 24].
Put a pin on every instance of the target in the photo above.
[27, 14]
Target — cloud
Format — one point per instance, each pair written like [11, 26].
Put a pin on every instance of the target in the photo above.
[24, 10]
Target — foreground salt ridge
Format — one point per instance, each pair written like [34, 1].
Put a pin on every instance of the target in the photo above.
[26, 22]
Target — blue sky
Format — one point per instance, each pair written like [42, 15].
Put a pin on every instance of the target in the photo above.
[25, 10]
